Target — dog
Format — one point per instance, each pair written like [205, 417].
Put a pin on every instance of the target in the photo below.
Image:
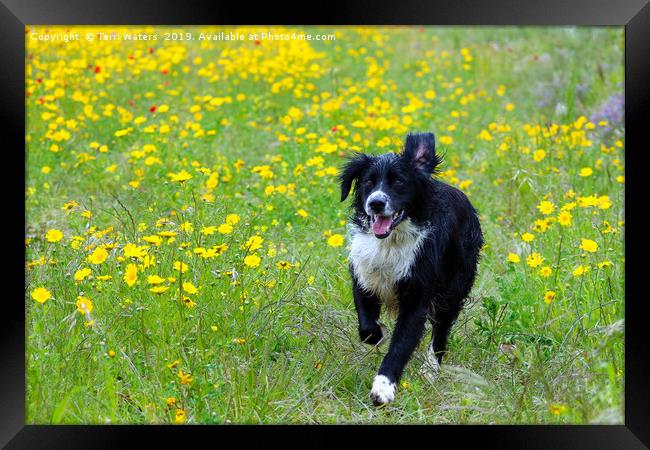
[414, 248]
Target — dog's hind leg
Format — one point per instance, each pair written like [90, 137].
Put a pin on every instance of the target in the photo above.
[442, 322]
[449, 304]
[431, 365]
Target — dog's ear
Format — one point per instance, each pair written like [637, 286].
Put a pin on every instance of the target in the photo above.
[420, 150]
[355, 166]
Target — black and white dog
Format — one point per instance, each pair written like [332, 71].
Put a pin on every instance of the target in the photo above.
[414, 247]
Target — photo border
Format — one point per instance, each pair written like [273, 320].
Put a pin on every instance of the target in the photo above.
[634, 15]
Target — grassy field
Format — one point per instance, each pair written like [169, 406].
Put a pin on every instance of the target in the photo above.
[186, 249]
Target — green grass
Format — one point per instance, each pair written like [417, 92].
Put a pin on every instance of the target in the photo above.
[271, 345]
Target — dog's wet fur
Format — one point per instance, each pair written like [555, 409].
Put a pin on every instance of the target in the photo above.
[414, 247]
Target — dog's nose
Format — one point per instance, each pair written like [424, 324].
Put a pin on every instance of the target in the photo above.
[377, 205]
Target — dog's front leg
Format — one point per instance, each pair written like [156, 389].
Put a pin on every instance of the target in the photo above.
[408, 333]
[368, 308]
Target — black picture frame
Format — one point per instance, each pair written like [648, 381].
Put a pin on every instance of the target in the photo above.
[634, 15]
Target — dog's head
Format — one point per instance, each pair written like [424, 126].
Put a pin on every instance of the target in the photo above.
[387, 187]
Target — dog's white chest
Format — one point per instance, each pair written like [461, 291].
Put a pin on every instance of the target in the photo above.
[380, 263]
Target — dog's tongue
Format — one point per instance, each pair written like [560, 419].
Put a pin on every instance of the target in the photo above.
[382, 225]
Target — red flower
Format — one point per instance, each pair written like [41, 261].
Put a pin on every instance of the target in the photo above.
[334, 129]
[257, 42]
[152, 109]
[98, 69]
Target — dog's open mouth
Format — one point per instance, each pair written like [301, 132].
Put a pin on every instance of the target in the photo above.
[383, 225]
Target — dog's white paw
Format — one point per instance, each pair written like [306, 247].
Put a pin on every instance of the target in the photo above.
[383, 390]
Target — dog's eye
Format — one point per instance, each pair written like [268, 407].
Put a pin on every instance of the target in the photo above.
[397, 182]
[368, 183]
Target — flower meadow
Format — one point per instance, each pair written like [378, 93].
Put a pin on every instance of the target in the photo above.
[186, 252]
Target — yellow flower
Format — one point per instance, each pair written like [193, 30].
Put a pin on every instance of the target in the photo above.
[225, 228]
[585, 202]
[513, 258]
[588, 245]
[41, 295]
[111, 353]
[188, 302]
[208, 230]
[464, 185]
[132, 250]
[556, 410]
[302, 213]
[186, 378]
[155, 279]
[170, 401]
[232, 219]
[254, 243]
[586, 171]
[283, 265]
[569, 206]
[84, 305]
[186, 226]
[131, 274]
[541, 225]
[180, 416]
[546, 207]
[98, 256]
[252, 260]
[335, 240]
[604, 264]
[545, 272]
[565, 218]
[189, 288]
[159, 289]
[174, 363]
[54, 236]
[549, 296]
[153, 239]
[181, 266]
[580, 271]
[527, 237]
[535, 260]
[603, 202]
[539, 155]
[82, 274]
[180, 177]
